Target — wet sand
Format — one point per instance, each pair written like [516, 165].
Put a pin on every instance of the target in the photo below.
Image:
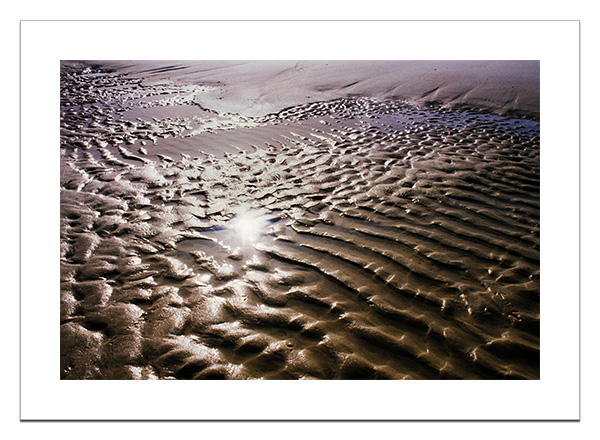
[232, 221]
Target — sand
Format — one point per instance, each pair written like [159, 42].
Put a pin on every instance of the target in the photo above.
[300, 220]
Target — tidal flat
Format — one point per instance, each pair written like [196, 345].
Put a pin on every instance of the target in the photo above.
[299, 220]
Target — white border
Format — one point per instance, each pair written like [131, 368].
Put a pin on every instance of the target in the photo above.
[44, 396]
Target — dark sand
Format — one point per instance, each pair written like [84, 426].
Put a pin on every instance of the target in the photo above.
[305, 220]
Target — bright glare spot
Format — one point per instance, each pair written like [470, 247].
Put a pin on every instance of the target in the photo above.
[248, 225]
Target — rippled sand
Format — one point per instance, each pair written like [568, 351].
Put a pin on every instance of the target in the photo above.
[354, 238]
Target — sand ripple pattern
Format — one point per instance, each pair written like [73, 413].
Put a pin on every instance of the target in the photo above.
[360, 240]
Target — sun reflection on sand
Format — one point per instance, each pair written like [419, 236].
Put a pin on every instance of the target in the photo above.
[248, 225]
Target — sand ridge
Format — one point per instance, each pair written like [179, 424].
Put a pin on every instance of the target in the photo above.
[348, 238]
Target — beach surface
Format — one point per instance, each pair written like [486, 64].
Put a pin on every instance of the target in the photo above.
[300, 220]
